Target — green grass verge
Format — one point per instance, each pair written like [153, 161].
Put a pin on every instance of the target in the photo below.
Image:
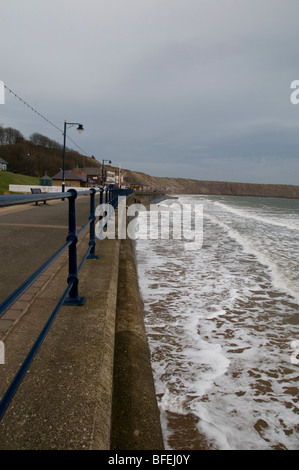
[7, 178]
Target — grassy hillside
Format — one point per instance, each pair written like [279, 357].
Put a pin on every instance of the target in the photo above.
[7, 178]
[31, 159]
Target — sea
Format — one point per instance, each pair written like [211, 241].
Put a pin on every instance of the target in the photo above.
[221, 313]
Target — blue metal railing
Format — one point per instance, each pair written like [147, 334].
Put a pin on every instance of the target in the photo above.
[71, 295]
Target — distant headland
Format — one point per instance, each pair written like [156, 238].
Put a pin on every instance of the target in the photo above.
[191, 186]
[38, 155]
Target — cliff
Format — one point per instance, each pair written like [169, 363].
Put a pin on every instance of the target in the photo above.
[191, 186]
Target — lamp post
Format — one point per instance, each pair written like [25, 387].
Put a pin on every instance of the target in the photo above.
[79, 129]
[103, 174]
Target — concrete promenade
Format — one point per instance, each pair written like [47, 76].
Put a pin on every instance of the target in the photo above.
[90, 387]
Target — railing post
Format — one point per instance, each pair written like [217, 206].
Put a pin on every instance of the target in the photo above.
[92, 238]
[73, 278]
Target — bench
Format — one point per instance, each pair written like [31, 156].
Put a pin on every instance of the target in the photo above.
[37, 191]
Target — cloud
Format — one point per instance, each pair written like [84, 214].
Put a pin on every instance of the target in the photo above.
[191, 88]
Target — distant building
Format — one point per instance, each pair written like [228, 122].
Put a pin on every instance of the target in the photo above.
[45, 180]
[110, 177]
[3, 165]
[79, 171]
[71, 179]
[94, 175]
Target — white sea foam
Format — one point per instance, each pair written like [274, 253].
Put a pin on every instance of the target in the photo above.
[280, 276]
[280, 222]
[218, 329]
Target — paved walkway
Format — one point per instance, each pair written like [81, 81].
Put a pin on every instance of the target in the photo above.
[66, 399]
[30, 234]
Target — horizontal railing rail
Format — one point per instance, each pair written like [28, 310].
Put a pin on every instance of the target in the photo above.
[71, 295]
[17, 199]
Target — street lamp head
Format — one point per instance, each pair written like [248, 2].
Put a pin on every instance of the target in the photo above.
[80, 128]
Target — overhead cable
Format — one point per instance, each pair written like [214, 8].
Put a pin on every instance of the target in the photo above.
[43, 117]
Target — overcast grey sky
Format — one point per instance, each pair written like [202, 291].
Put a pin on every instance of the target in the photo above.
[185, 88]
